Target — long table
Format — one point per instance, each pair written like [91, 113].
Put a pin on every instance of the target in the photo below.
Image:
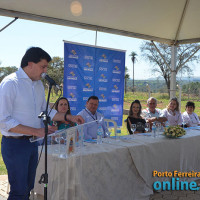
[119, 169]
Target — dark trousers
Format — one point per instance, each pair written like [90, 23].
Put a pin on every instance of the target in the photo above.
[20, 157]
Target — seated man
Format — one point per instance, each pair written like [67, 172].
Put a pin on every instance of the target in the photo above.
[152, 114]
[90, 114]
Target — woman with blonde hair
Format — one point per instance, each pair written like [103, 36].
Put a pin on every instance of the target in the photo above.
[172, 113]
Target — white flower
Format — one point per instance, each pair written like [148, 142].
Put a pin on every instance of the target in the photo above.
[174, 131]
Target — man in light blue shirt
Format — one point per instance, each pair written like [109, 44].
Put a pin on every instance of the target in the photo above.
[90, 114]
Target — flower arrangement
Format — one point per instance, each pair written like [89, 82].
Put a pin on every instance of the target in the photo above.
[174, 131]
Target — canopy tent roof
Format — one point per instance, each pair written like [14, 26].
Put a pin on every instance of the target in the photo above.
[167, 21]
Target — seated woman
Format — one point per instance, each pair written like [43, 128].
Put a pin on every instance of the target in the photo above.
[172, 113]
[135, 118]
[189, 117]
[62, 105]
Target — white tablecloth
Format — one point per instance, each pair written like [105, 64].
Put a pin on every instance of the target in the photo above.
[118, 170]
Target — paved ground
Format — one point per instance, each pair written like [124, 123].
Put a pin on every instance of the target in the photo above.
[165, 195]
[4, 189]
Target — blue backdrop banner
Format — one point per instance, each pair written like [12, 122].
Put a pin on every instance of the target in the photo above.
[90, 70]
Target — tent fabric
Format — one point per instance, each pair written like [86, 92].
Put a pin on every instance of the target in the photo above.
[167, 21]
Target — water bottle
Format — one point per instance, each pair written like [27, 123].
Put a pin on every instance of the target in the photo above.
[166, 124]
[154, 129]
[118, 133]
[99, 134]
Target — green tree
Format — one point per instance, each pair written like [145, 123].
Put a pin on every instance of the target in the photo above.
[133, 58]
[192, 87]
[184, 58]
[56, 70]
[4, 71]
[127, 77]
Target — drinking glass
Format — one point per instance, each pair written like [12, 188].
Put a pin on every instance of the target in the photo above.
[158, 125]
[184, 123]
[158, 128]
[107, 134]
[133, 128]
[147, 127]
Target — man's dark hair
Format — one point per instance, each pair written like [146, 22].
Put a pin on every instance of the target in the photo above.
[93, 97]
[190, 103]
[34, 54]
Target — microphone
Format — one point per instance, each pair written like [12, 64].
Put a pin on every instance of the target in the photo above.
[50, 80]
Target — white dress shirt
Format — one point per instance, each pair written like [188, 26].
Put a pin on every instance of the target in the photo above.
[146, 113]
[90, 130]
[21, 101]
[191, 119]
[174, 118]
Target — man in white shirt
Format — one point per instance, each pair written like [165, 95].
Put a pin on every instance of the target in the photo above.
[90, 114]
[151, 113]
[22, 99]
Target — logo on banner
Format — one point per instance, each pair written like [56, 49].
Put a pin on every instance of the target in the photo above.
[72, 76]
[102, 108]
[103, 59]
[73, 54]
[116, 80]
[88, 88]
[73, 108]
[72, 66]
[72, 97]
[115, 118]
[85, 98]
[103, 69]
[116, 61]
[71, 87]
[88, 57]
[88, 78]
[116, 70]
[103, 78]
[88, 68]
[103, 98]
[115, 99]
[115, 90]
[115, 108]
[102, 89]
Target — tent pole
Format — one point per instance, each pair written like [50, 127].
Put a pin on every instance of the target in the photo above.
[96, 38]
[9, 24]
[173, 71]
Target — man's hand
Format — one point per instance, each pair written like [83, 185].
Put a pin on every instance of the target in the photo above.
[153, 119]
[41, 131]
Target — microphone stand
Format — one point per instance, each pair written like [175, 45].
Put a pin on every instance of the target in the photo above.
[46, 120]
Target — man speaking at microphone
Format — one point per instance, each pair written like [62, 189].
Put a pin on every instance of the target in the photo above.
[22, 99]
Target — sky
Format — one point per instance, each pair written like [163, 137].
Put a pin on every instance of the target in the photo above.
[22, 34]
